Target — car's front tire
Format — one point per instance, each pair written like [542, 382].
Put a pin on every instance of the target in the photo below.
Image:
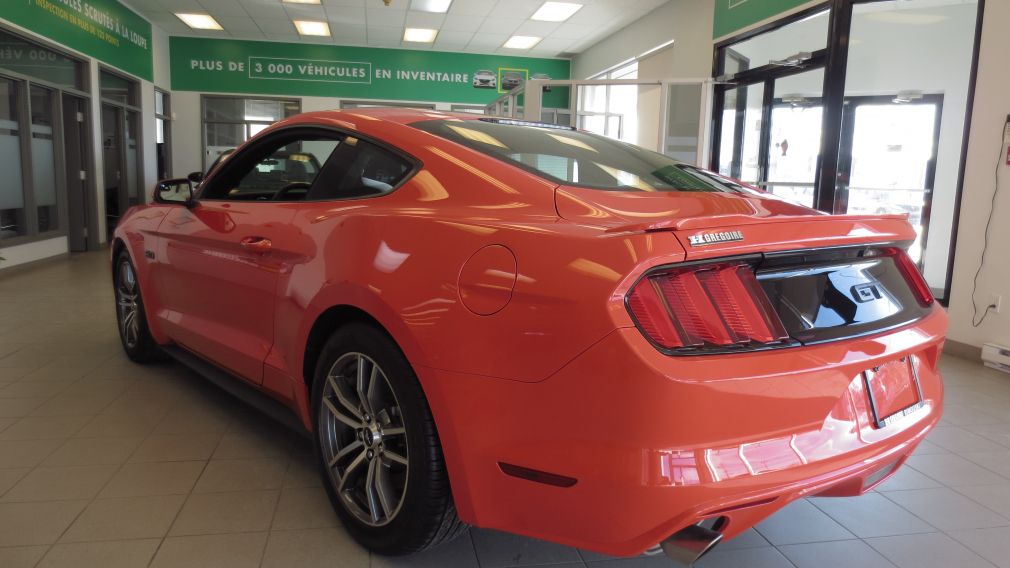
[377, 446]
[131, 320]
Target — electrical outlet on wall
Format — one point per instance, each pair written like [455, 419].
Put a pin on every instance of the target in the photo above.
[995, 300]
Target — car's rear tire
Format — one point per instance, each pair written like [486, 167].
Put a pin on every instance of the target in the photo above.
[131, 320]
[378, 451]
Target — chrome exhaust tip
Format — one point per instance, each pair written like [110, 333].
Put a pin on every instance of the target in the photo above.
[690, 544]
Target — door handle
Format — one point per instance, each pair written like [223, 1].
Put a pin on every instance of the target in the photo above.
[256, 244]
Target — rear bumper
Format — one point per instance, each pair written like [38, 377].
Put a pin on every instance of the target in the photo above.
[658, 443]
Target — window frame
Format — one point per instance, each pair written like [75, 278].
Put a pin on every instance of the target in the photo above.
[245, 123]
[268, 140]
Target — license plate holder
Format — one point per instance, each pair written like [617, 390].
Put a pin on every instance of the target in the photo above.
[894, 391]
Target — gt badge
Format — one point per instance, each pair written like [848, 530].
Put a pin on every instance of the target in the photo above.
[702, 239]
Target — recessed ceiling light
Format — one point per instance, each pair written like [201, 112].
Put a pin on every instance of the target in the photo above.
[522, 42]
[302, 1]
[200, 21]
[556, 11]
[419, 35]
[439, 6]
[312, 28]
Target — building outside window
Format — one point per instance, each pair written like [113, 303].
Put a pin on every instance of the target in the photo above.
[230, 121]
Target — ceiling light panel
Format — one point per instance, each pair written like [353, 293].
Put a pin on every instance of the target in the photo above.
[556, 11]
[419, 35]
[437, 6]
[312, 28]
[522, 42]
[200, 21]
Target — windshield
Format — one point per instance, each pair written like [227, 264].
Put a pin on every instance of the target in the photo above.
[571, 157]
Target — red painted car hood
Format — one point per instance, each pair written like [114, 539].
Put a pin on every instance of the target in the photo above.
[766, 221]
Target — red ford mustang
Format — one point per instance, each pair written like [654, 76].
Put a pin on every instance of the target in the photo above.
[535, 329]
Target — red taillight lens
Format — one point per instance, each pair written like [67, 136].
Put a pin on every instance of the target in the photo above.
[718, 305]
[912, 275]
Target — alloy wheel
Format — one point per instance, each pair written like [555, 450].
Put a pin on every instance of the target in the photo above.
[127, 307]
[363, 439]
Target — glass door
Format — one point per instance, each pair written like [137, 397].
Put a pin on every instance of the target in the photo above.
[795, 136]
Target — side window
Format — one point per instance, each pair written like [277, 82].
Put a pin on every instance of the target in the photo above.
[279, 173]
[362, 169]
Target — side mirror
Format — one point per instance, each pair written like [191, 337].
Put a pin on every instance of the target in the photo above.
[195, 177]
[174, 192]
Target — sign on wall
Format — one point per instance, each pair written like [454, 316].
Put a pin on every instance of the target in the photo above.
[270, 68]
[733, 15]
[103, 29]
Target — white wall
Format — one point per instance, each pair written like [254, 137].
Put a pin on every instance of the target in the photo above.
[688, 22]
[984, 150]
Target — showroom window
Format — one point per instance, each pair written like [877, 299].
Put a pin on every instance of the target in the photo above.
[870, 120]
[230, 121]
[39, 87]
[611, 110]
[121, 148]
[163, 133]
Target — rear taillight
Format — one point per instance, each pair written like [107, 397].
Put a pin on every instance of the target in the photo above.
[912, 275]
[707, 306]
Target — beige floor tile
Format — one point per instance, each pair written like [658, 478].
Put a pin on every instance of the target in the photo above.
[61, 483]
[154, 478]
[21, 556]
[36, 523]
[303, 472]
[242, 475]
[251, 444]
[73, 405]
[125, 518]
[313, 547]
[109, 554]
[238, 511]
[34, 389]
[239, 550]
[6, 422]
[176, 447]
[9, 477]
[18, 407]
[93, 451]
[44, 427]
[304, 508]
[26, 453]
[119, 425]
[212, 420]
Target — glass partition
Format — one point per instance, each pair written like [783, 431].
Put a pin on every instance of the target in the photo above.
[39, 62]
[44, 159]
[12, 196]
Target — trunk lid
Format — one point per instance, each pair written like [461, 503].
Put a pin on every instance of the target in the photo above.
[713, 224]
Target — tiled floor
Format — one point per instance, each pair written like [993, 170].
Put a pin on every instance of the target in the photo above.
[105, 463]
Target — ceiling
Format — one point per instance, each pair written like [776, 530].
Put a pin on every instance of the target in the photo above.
[471, 26]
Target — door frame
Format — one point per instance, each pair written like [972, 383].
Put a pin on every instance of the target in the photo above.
[88, 231]
[836, 64]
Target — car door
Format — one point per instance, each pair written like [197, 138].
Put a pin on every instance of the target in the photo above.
[221, 258]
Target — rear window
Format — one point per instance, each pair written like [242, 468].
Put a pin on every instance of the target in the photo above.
[571, 157]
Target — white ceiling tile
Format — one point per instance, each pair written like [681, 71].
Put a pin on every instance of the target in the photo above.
[385, 17]
[446, 37]
[345, 3]
[344, 34]
[537, 29]
[472, 7]
[305, 12]
[283, 37]
[499, 26]
[272, 26]
[238, 25]
[515, 8]
[346, 15]
[572, 31]
[424, 20]
[259, 10]
[384, 36]
[224, 7]
[487, 41]
[462, 22]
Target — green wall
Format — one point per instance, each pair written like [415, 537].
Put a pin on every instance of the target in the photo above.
[271, 68]
[733, 15]
[103, 29]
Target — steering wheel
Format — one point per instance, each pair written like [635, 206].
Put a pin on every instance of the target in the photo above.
[289, 188]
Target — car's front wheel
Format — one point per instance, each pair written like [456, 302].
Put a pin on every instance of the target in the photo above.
[132, 322]
[377, 445]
